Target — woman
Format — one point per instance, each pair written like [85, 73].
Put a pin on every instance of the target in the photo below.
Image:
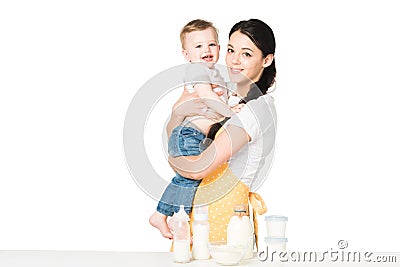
[248, 137]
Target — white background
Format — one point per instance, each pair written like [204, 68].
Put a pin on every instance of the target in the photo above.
[69, 69]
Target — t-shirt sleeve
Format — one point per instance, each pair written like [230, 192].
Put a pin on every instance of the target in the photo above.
[257, 117]
[197, 73]
[247, 120]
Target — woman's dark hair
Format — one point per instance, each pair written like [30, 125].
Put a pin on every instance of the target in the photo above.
[263, 37]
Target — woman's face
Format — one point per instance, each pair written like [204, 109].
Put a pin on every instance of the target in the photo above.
[244, 59]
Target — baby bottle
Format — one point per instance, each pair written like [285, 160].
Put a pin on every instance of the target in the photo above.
[240, 230]
[181, 232]
[201, 229]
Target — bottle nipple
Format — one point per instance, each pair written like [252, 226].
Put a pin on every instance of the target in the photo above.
[182, 215]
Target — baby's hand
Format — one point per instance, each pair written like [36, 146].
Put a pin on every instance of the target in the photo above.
[237, 108]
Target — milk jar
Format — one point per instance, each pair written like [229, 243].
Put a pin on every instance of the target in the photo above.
[240, 230]
[181, 232]
[201, 229]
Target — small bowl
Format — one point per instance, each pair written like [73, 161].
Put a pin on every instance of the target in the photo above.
[224, 254]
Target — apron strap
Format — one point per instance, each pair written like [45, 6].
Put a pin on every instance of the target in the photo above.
[259, 208]
[257, 203]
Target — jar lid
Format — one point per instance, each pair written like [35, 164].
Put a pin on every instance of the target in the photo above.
[276, 218]
[271, 239]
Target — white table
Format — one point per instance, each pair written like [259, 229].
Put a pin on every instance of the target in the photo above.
[132, 259]
[95, 259]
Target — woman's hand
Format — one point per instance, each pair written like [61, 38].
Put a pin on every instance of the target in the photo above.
[189, 104]
[237, 108]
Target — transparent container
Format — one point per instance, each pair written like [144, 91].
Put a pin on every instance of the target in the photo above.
[276, 244]
[276, 225]
[201, 230]
[181, 232]
[240, 230]
[224, 254]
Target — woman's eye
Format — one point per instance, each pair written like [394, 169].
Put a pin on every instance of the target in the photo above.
[247, 54]
[230, 50]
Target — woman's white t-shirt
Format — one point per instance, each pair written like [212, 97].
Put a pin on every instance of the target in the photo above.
[252, 162]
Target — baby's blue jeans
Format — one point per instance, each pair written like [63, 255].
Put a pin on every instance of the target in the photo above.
[184, 141]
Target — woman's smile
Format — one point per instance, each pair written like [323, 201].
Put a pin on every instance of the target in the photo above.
[235, 70]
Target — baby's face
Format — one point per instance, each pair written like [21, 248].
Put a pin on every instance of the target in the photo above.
[201, 46]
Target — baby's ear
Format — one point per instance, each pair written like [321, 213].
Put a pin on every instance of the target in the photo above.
[185, 54]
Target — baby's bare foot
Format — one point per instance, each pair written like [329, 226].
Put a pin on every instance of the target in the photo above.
[159, 221]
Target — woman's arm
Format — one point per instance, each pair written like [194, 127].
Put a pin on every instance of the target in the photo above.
[212, 100]
[227, 143]
[189, 104]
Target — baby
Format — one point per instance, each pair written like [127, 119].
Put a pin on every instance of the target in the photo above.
[200, 47]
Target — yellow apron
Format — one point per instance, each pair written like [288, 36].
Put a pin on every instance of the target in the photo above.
[221, 190]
